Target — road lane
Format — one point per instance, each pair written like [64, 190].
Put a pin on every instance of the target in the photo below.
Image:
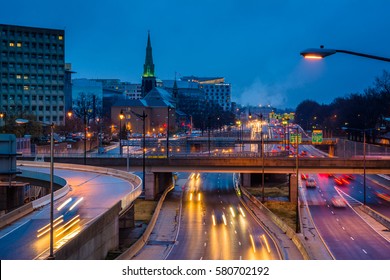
[346, 234]
[233, 236]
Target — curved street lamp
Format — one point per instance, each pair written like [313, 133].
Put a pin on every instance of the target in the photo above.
[322, 52]
[24, 121]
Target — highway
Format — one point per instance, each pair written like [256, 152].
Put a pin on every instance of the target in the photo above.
[346, 234]
[215, 226]
[95, 194]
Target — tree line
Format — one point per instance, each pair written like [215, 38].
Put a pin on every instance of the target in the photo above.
[357, 112]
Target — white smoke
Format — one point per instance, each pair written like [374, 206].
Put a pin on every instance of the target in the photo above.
[277, 94]
[259, 93]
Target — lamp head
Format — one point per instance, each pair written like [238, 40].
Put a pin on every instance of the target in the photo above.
[314, 53]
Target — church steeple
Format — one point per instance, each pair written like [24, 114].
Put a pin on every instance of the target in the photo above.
[148, 66]
[148, 77]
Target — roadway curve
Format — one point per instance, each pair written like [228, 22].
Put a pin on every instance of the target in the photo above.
[241, 238]
[99, 192]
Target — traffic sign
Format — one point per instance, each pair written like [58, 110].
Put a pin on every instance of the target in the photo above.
[316, 137]
[293, 138]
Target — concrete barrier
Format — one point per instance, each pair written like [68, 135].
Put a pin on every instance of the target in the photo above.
[31, 206]
[96, 240]
[16, 214]
[377, 216]
[140, 243]
[282, 225]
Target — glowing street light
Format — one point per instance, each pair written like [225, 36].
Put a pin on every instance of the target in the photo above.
[322, 52]
[121, 117]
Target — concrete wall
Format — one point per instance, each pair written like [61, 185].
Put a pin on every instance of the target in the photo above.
[93, 242]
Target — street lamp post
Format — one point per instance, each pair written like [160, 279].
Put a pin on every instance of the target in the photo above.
[121, 117]
[143, 118]
[85, 136]
[51, 246]
[168, 113]
[262, 154]
[297, 226]
[322, 52]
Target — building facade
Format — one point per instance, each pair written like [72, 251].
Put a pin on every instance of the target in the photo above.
[32, 72]
[215, 89]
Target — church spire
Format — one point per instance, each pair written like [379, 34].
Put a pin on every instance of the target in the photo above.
[148, 66]
[148, 78]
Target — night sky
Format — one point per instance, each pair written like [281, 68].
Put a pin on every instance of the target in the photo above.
[254, 44]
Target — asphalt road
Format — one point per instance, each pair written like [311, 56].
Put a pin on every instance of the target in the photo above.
[345, 233]
[214, 226]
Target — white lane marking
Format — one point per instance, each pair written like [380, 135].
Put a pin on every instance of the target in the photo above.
[239, 243]
[343, 228]
[14, 229]
[365, 251]
[205, 244]
[352, 238]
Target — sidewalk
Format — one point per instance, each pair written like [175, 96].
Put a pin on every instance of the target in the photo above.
[164, 233]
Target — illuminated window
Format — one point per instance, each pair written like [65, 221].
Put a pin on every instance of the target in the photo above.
[60, 37]
[19, 44]
[26, 87]
[18, 76]
[11, 44]
[25, 77]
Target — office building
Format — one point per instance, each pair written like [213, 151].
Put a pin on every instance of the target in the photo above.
[33, 73]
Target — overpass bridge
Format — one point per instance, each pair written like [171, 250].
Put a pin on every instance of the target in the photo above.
[226, 163]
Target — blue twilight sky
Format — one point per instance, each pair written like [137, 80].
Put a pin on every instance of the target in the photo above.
[254, 44]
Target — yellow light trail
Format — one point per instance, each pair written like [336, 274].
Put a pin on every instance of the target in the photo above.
[253, 243]
[68, 225]
[213, 217]
[242, 212]
[232, 211]
[64, 204]
[77, 202]
[46, 228]
[224, 219]
[266, 242]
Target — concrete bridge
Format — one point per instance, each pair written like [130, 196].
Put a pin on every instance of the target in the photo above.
[205, 163]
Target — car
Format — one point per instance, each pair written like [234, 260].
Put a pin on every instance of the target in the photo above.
[338, 201]
[311, 182]
[339, 180]
[383, 195]
[349, 176]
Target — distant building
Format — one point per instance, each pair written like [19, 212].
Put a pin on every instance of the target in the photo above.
[215, 89]
[86, 86]
[33, 76]
[157, 104]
